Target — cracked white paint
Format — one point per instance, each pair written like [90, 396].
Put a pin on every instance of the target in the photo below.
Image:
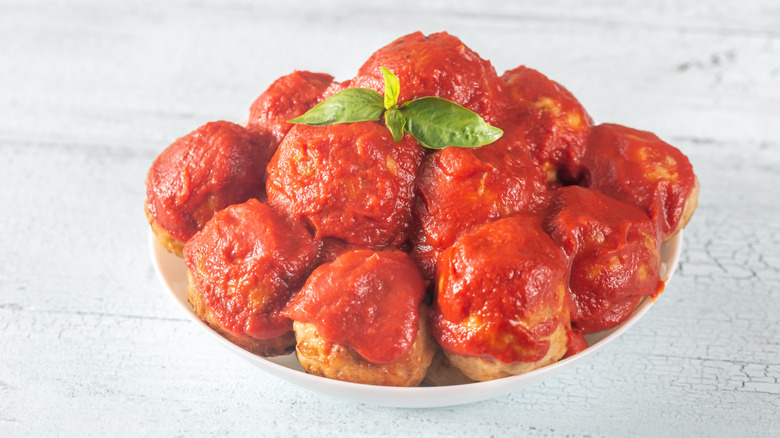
[89, 344]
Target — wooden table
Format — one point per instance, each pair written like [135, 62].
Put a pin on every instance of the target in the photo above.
[92, 91]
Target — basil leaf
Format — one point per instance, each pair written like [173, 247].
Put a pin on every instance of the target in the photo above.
[437, 123]
[395, 122]
[346, 106]
[392, 88]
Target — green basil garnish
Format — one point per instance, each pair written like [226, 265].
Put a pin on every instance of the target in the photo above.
[438, 123]
[396, 123]
[392, 88]
[346, 106]
[434, 122]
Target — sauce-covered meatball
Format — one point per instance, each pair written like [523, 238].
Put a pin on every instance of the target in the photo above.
[459, 188]
[614, 251]
[216, 165]
[243, 267]
[501, 304]
[640, 168]
[435, 65]
[348, 181]
[551, 122]
[360, 318]
[288, 97]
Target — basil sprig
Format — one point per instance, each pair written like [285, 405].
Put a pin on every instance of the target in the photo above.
[434, 122]
[392, 88]
[347, 106]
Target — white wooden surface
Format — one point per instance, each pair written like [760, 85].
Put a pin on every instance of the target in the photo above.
[91, 91]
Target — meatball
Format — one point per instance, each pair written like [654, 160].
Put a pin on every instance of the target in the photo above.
[361, 319]
[459, 188]
[243, 268]
[501, 304]
[614, 251]
[435, 65]
[287, 98]
[348, 181]
[638, 167]
[551, 122]
[216, 165]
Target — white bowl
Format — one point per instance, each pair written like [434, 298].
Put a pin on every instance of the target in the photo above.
[173, 274]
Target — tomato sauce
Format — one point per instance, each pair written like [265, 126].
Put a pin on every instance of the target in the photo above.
[550, 120]
[637, 167]
[458, 189]
[217, 165]
[348, 181]
[368, 300]
[246, 263]
[614, 251]
[287, 98]
[501, 292]
[435, 65]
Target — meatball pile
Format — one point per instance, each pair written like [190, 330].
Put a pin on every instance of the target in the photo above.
[383, 262]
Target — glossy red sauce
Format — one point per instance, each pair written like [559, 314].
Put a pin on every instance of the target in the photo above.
[501, 292]
[288, 97]
[459, 188]
[348, 181]
[246, 263]
[435, 65]
[552, 123]
[639, 168]
[614, 251]
[331, 249]
[217, 165]
[364, 299]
